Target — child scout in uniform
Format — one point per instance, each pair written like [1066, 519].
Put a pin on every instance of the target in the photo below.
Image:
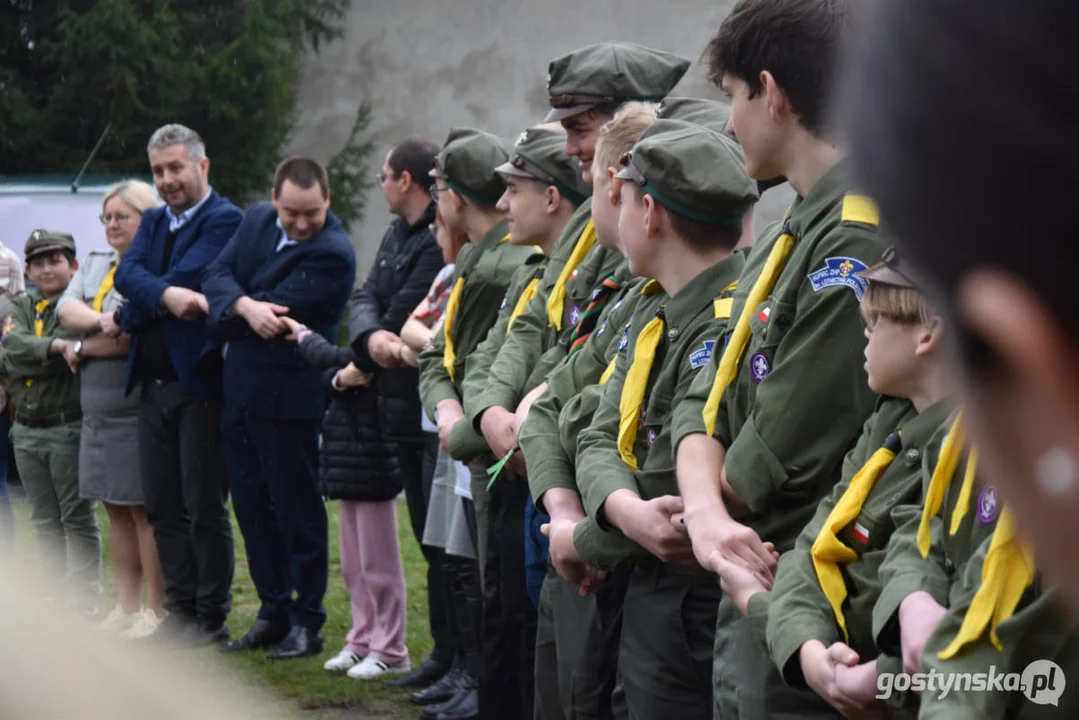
[684, 194]
[40, 360]
[468, 188]
[754, 458]
[819, 613]
[586, 87]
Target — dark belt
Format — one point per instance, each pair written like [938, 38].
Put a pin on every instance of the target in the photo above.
[48, 421]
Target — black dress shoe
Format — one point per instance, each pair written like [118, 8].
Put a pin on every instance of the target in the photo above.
[466, 706]
[170, 630]
[427, 674]
[300, 642]
[468, 684]
[440, 691]
[200, 634]
[263, 634]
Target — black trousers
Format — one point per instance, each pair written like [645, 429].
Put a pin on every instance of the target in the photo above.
[185, 489]
[417, 464]
[509, 618]
[273, 475]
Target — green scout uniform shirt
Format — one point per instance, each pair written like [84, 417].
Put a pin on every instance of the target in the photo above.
[904, 570]
[53, 387]
[513, 370]
[684, 348]
[800, 395]
[487, 269]
[549, 463]
[1038, 630]
[799, 610]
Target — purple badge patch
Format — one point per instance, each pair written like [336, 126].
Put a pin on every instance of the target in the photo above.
[988, 505]
[574, 315]
[650, 436]
[759, 367]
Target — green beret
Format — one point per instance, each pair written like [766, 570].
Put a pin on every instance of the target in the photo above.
[467, 162]
[610, 73]
[47, 241]
[540, 154]
[693, 171]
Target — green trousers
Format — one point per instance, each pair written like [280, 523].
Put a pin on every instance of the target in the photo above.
[748, 685]
[567, 653]
[65, 526]
[668, 630]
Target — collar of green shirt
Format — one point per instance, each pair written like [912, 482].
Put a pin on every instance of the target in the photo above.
[821, 199]
[918, 430]
[705, 287]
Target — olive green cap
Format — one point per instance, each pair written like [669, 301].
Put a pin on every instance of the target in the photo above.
[467, 163]
[712, 114]
[891, 270]
[610, 73]
[540, 154]
[693, 171]
[46, 241]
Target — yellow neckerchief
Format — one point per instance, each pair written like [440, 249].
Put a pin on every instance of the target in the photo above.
[739, 341]
[633, 390]
[39, 325]
[556, 300]
[449, 355]
[105, 288]
[950, 454]
[522, 302]
[609, 371]
[828, 550]
[1006, 574]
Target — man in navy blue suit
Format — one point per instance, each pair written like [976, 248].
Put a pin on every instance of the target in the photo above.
[183, 471]
[289, 257]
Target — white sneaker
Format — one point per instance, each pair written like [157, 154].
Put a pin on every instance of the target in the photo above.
[342, 661]
[117, 621]
[372, 668]
[144, 626]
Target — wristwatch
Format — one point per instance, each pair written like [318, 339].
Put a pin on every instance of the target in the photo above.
[78, 348]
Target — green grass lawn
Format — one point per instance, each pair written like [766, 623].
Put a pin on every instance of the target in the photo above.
[304, 680]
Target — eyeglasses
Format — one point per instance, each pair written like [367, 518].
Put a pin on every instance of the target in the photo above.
[435, 190]
[118, 217]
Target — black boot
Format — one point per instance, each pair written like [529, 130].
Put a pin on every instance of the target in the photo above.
[442, 690]
[464, 582]
[466, 694]
[465, 706]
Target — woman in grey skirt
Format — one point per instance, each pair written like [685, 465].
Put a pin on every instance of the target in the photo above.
[108, 453]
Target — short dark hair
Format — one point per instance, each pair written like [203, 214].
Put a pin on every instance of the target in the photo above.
[302, 172]
[52, 254]
[696, 234]
[417, 157]
[797, 41]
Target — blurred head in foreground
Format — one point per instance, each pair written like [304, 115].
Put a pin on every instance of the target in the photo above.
[963, 126]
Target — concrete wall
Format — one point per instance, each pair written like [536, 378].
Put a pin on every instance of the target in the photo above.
[428, 65]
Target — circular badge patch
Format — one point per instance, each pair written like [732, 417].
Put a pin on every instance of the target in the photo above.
[988, 505]
[574, 315]
[759, 367]
[650, 436]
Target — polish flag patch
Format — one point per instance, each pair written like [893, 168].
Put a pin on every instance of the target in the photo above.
[860, 533]
[764, 314]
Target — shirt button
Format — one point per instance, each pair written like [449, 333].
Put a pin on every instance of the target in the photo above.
[914, 455]
[672, 333]
[949, 566]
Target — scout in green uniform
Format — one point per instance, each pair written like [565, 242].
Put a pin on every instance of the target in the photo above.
[573, 677]
[586, 87]
[820, 610]
[40, 360]
[683, 200]
[754, 459]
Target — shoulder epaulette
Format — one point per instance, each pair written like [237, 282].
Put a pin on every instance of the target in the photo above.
[860, 209]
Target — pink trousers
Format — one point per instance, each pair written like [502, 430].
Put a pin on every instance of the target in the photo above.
[375, 579]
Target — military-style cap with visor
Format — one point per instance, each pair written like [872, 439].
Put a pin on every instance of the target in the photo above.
[41, 242]
[610, 73]
[540, 154]
[468, 162]
[693, 171]
[892, 270]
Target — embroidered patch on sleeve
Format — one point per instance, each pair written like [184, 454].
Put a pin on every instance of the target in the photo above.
[624, 340]
[505, 301]
[700, 357]
[9, 325]
[840, 272]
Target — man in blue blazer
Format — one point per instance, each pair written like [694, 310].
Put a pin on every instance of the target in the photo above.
[289, 257]
[180, 459]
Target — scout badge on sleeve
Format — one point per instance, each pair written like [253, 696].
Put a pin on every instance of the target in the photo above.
[840, 271]
[9, 325]
[700, 357]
